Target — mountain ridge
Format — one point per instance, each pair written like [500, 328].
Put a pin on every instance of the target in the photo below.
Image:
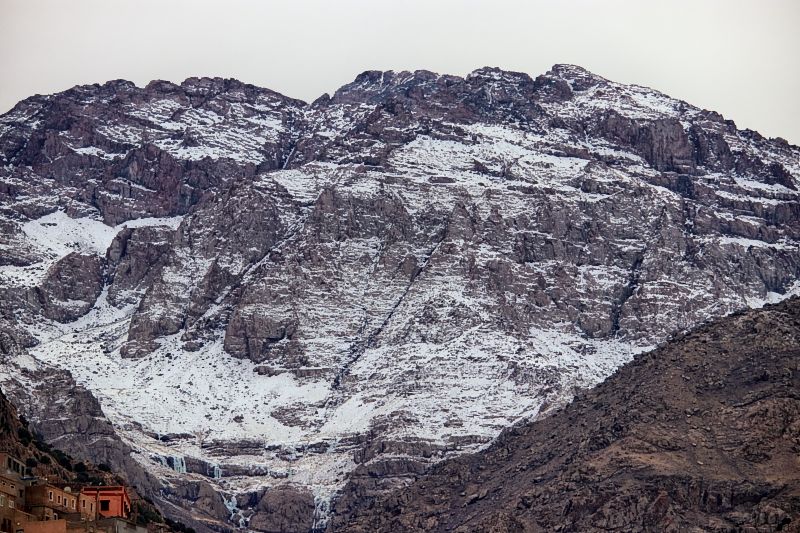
[561, 68]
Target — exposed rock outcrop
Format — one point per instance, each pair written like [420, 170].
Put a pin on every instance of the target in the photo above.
[71, 287]
[284, 509]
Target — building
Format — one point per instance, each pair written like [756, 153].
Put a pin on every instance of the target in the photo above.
[11, 501]
[10, 466]
[49, 502]
[40, 526]
[87, 506]
[112, 501]
[30, 505]
[118, 525]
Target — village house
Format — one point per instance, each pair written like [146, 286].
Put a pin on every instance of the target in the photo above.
[30, 505]
[10, 501]
[11, 466]
[109, 501]
[118, 525]
[49, 502]
[41, 526]
[87, 506]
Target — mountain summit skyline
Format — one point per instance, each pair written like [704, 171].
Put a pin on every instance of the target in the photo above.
[737, 57]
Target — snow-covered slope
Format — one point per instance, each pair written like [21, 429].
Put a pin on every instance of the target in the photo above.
[268, 293]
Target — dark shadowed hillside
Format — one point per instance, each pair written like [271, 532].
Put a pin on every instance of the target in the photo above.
[702, 434]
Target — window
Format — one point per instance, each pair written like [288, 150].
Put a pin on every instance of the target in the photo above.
[104, 505]
[11, 504]
[72, 503]
[50, 495]
[83, 504]
[59, 499]
[2, 500]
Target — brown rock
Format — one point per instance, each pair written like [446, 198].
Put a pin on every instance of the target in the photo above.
[284, 509]
[71, 287]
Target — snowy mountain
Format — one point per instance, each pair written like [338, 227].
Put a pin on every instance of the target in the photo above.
[265, 295]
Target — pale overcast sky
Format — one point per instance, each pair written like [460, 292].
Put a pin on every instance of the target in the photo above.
[737, 57]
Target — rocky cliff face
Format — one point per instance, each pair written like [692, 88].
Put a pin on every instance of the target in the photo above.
[267, 295]
[699, 435]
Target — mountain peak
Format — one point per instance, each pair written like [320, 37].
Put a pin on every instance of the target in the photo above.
[578, 77]
[375, 84]
[496, 74]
